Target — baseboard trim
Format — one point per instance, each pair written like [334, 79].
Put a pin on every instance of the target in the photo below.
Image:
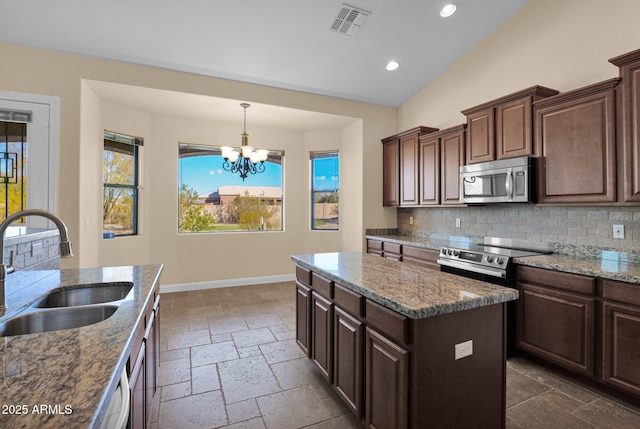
[215, 284]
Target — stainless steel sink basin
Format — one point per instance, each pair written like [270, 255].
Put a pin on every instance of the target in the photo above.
[56, 320]
[86, 295]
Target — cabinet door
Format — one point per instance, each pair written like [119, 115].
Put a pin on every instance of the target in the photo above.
[631, 123]
[137, 418]
[386, 383]
[452, 158]
[348, 338]
[391, 173]
[513, 129]
[621, 367]
[575, 136]
[409, 170]
[150, 365]
[557, 326]
[303, 317]
[430, 172]
[322, 335]
[480, 136]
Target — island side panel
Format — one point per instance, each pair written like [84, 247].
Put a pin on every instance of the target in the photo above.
[468, 392]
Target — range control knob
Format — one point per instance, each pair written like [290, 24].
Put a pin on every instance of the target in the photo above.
[499, 261]
[489, 259]
[456, 253]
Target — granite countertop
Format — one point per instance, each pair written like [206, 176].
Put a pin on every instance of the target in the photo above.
[602, 263]
[72, 373]
[411, 290]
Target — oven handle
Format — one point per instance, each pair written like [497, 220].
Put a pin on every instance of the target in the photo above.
[478, 269]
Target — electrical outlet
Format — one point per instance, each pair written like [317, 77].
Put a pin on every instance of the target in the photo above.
[457, 222]
[410, 220]
[618, 231]
[463, 350]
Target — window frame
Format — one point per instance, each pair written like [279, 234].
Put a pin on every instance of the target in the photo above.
[322, 154]
[135, 142]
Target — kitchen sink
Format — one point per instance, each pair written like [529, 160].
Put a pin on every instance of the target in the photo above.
[56, 320]
[97, 293]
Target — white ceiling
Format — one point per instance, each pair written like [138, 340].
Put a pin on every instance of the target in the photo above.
[280, 43]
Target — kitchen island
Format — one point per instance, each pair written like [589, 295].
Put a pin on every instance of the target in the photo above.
[404, 346]
[66, 378]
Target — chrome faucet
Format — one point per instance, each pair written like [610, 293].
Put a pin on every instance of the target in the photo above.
[65, 245]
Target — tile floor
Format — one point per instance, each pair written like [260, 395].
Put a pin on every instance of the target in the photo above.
[229, 360]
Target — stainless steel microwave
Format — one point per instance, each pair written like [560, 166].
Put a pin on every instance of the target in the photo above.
[504, 181]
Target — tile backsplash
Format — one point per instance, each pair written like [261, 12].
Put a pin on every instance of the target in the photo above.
[579, 226]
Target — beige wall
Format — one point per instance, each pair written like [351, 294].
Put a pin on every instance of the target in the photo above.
[558, 44]
[192, 258]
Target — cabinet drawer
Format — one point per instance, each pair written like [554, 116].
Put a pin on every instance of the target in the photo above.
[322, 286]
[392, 248]
[626, 293]
[392, 324]
[420, 256]
[374, 245]
[348, 300]
[303, 275]
[557, 280]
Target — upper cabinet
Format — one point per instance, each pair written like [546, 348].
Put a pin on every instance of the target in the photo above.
[502, 128]
[576, 143]
[441, 155]
[400, 186]
[629, 122]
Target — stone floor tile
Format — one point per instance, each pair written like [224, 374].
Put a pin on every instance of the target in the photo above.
[563, 385]
[281, 351]
[204, 379]
[197, 323]
[279, 328]
[242, 411]
[175, 391]
[174, 354]
[292, 409]
[253, 337]
[174, 371]
[548, 410]
[522, 387]
[256, 423]
[221, 338]
[336, 406]
[263, 321]
[344, 422]
[189, 339]
[246, 378]
[283, 336]
[296, 373]
[213, 353]
[193, 412]
[224, 325]
[249, 351]
[604, 413]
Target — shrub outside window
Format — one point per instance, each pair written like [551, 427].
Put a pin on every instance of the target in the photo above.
[211, 199]
[120, 177]
[325, 190]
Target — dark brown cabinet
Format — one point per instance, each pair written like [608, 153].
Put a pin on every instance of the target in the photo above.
[502, 128]
[400, 176]
[143, 367]
[348, 339]
[387, 382]
[629, 121]
[621, 336]
[409, 254]
[303, 309]
[322, 334]
[374, 247]
[441, 155]
[556, 315]
[576, 142]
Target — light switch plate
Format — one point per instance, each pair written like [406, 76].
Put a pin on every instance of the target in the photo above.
[618, 231]
[463, 350]
[457, 222]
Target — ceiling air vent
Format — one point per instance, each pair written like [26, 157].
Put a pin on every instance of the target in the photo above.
[349, 20]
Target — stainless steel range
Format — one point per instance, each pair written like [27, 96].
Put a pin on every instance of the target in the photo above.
[490, 261]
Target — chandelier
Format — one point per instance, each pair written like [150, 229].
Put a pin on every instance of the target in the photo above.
[245, 159]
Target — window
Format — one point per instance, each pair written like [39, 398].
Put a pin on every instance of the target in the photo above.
[325, 190]
[120, 171]
[212, 199]
[13, 162]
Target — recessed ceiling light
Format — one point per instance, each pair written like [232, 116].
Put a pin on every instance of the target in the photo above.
[392, 65]
[448, 10]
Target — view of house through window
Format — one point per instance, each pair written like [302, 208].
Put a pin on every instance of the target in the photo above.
[325, 190]
[13, 164]
[212, 199]
[120, 172]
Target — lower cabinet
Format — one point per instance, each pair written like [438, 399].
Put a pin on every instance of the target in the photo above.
[143, 367]
[348, 337]
[402, 252]
[387, 382]
[322, 334]
[303, 313]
